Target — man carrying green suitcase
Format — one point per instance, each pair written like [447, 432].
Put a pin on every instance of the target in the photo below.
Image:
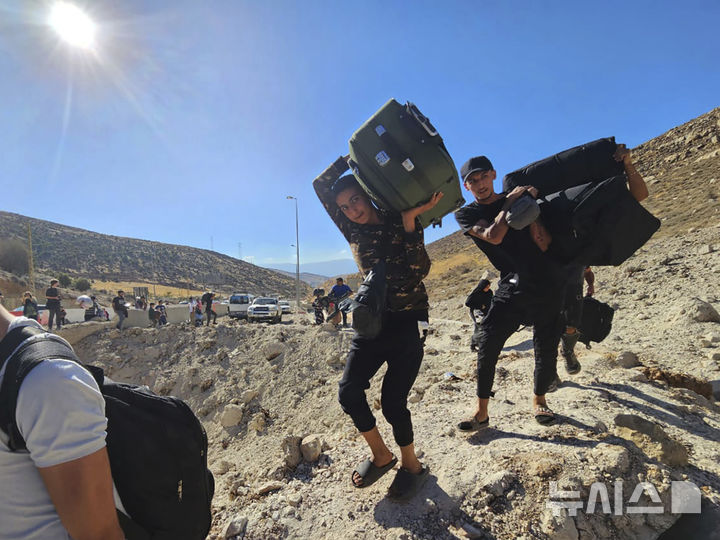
[378, 235]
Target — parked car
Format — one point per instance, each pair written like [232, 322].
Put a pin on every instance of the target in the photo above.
[264, 309]
[285, 306]
[238, 306]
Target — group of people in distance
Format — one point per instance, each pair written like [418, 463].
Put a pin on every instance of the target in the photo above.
[534, 289]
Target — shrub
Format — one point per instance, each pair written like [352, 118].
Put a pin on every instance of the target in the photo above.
[82, 284]
[64, 280]
[14, 256]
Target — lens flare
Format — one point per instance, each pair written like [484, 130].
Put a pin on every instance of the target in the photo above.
[72, 25]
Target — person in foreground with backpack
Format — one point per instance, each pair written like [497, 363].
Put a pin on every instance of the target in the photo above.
[397, 239]
[530, 290]
[61, 487]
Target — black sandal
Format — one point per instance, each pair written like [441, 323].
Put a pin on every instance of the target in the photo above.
[370, 473]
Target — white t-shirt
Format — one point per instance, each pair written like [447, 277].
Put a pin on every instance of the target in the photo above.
[61, 416]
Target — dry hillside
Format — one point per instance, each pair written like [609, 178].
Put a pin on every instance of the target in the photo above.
[80, 253]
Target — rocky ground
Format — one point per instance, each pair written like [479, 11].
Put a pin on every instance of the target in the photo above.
[282, 450]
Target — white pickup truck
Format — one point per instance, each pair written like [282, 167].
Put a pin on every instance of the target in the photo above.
[238, 306]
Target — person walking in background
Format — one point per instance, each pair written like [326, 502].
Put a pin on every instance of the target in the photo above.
[191, 309]
[207, 299]
[162, 313]
[341, 291]
[52, 303]
[30, 307]
[120, 309]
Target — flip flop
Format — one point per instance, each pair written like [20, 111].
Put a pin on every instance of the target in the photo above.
[473, 424]
[370, 473]
[543, 415]
[406, 484]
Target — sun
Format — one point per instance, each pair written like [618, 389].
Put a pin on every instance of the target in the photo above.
[73, 25]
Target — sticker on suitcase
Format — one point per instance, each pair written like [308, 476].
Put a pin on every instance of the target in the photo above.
[382, 158]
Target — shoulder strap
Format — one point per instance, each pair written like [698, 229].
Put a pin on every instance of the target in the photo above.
[18, 366]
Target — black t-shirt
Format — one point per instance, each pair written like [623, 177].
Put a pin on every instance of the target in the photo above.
[207, 300]
[517, 257]
[52, 302]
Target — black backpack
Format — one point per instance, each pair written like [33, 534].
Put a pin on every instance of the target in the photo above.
[156, 445]
[596, 321]
[368, 306]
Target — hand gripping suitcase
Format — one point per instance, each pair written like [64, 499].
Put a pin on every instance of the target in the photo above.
[590, 162]
[400, 160]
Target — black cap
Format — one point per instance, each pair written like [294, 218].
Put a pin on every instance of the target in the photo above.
[478, 163]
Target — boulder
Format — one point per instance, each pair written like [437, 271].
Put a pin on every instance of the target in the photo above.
[652, 439]
[231, 416]
[628, 359]
[559, 527]
[248, 395]
[701, 311]
[498, 483]
[273, 350]
[291, 451]
[235, 527]
[257, 422]
[311, 447]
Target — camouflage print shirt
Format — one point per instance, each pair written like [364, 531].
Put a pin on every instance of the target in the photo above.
[406, 260]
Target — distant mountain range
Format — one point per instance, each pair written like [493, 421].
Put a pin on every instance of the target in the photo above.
[333, 268]
[79, 253]
[311, 279]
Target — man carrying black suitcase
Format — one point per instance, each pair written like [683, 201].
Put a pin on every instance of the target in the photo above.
[530, 290]
[397, 238]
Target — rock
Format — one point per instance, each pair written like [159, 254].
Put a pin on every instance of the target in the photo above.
[705, 249]
[560, 527]
[714, 355]
[713, 338]
[705, 343]
[273, 350]
[627, 359]
[497, 483]
[248, 395]
[329, 327]
[652, 439]
[470, 531]
[415, 397]
[257, 422]
[611, 458]
[311, 447]
[268, 487]
[701, 311]
[291, 451]
[222, 467]
[231, 416]
[235, 527]
[544, 468]
[294, 499]
[716, 389]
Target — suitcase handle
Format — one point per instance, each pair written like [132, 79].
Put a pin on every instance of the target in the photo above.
[423, 120]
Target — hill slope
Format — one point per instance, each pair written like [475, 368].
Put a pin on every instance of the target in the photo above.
[77, 252]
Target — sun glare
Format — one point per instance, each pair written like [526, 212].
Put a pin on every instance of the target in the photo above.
[72, 25]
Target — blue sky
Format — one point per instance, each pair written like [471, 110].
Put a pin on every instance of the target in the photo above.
[196, 119]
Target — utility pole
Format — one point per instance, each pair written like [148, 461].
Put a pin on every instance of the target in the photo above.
[31, 266]
[297, 259]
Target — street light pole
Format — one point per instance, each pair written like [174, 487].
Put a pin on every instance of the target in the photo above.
[297, 257]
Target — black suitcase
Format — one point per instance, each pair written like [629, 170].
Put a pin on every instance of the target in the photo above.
[596, 321]
[598, 224]
[591, 162]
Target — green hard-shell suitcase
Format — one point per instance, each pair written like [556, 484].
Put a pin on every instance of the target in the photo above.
[400, 160]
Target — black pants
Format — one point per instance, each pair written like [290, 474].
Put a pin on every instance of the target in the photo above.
[573, 302]
[210, 313]
[399, 345]
[54, 313]
[507, 313]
